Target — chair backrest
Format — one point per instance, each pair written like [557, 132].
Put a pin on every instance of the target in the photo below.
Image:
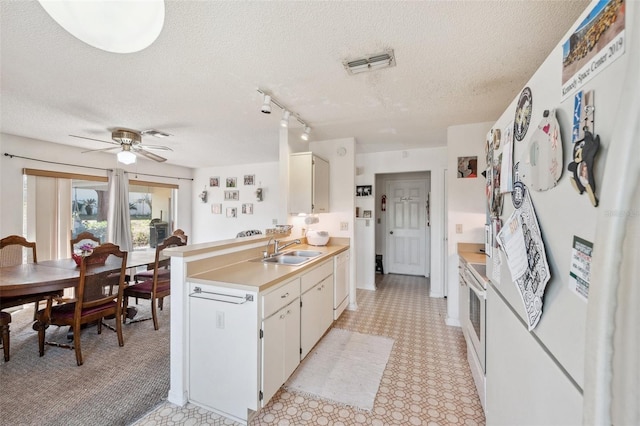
[13, 248]
[249, 233]
[172, 241]
[180, 233]
[102, 277]
[83, 237]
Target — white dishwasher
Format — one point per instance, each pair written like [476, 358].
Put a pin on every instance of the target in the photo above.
[341, 283]
[222, 350]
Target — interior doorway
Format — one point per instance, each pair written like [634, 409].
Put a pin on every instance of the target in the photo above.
[403, 225]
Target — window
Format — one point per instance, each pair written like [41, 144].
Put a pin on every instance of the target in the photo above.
[59, 205]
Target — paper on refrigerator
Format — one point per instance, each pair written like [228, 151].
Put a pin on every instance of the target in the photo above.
[522, 243]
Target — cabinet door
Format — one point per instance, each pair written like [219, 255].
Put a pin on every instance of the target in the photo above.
[300, 183]
[326, 308]
[291, 338]
[273, 342]
[309, 319]
[320, 185]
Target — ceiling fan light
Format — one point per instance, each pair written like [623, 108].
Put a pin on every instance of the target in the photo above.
[305, 135]
[285, 119]
[113, 26]
[126, 157]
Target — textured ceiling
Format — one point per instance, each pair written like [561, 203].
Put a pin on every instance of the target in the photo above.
[457, 62]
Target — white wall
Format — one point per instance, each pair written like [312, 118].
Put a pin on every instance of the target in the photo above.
[11, 175]
[212, 227]
[415, 160]
[466, 202]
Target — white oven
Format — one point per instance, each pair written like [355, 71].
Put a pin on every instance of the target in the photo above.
[474, 327]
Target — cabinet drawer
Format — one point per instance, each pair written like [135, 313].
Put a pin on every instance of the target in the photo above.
[316, 275]
[280, 297]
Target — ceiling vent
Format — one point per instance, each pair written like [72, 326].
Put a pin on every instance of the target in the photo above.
[371, 63]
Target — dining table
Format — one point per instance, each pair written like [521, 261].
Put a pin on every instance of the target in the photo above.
[51, 275]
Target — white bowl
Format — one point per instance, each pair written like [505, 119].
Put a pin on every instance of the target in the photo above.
[317, 238]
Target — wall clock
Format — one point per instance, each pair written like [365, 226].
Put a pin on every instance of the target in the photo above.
[523, 114]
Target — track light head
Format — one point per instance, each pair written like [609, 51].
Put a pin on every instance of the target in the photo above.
[285, 119]
[266, 106]
[305, 135]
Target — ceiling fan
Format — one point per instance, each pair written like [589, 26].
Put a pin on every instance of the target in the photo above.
[130, 143]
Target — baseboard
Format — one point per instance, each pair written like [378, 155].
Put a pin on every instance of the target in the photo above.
[453, 322]
[177, 397]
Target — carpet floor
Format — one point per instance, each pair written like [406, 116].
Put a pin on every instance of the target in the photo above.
[115, 385]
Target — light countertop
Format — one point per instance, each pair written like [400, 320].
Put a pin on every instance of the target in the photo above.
[257, 276]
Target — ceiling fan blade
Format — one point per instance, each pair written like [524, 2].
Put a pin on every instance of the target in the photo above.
[150, 155]
[101, 149]
[97, 140]
[158, 147]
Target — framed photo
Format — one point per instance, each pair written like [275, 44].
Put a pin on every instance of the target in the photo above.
[467, 167]
[214, 181]
[366, 213]
[216, 208]
[231, 195]
[231, 182]
[247, 208]
[232, 212]
[364, 191]
[249, 180]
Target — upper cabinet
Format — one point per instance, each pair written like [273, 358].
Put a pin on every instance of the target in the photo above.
[308, 183]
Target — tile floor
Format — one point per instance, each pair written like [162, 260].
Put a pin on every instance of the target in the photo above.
[427, 380]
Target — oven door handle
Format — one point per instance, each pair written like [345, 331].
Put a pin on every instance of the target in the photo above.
[480, 292]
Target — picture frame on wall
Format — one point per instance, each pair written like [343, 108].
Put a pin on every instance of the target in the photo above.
[364, 191]
[249, 180]
[232, 182]
[231, 195]
[366, 213]
[214, 181]
[467, 167]
[216, 208]
[247, 208]
[232, 212]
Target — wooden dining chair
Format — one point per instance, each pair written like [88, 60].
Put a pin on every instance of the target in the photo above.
[156, 288]
[14, 249]
[5, 320]
[83, 237]
[148, 274]
[104, 281]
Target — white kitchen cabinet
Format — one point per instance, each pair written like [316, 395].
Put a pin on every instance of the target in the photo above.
[280, 335]
[308, 183]
[316, 312]
[280, 348]
[341, 283]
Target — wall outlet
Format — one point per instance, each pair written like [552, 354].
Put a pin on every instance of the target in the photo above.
[219, 319]
[344, 226]
[458, 228]
[274, 221]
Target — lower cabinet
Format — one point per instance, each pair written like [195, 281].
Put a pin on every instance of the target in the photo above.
[316, 314]
[280, 348]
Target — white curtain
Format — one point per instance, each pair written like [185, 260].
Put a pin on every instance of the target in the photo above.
[48, 216]
[119, 221]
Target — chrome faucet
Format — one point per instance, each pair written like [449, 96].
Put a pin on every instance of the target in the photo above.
[278, 248]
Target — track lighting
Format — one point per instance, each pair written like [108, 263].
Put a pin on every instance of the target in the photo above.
[305, 135]
[285, 119]
[286, 113]
[266, 105]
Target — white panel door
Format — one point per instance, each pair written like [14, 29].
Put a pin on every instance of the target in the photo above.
[407, 227]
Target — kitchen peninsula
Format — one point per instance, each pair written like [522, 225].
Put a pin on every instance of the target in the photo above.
[241, 325]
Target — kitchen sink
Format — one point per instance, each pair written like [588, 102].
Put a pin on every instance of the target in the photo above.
[303, 253]
[287, 259]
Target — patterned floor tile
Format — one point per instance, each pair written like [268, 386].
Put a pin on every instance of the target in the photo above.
[427, 380]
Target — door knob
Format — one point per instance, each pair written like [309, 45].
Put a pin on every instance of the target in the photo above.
[391, 232]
